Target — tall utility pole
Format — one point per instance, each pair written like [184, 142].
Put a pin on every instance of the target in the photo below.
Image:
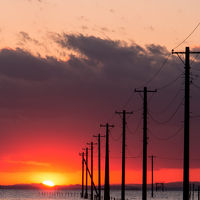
[107, 182]
[86, 175]
[91, 186]
[144, 182]
[123, 151]
[152, 157]
[82, 191]
[99, 164]
[186, 162]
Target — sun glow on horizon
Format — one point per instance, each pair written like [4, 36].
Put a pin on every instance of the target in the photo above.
[48, 183]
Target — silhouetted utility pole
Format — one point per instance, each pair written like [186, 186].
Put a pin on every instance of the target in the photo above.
[107, 182]
[123, 151]
[82, 191]
[144, 183]
[91, 186]
[86, 175]
[99, 164]
[186, 166]
[91, 179]
[152, 157]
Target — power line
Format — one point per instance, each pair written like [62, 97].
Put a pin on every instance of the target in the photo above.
[196, 56]
[187, 36]
[169, 104]
[169, 137]
[180, 69]
[196, 116]
[129, 99]
[170, 118]
[167, 58]
[168, 158]
[171, 82]
[116, 139]
[157, 72]
[195, 85]
[136, 129]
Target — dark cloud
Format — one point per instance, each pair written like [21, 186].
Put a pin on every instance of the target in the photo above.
[116, 59]
[63, 101]
[19, 64]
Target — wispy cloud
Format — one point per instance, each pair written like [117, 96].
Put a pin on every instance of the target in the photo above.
[34, 163]
[25, 37]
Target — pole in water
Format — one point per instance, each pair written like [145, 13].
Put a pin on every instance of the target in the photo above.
[144, 177]
[99, 164]
[92, 171]
[82, 191]
[107, 181]
[152, 188]
[123, 150]
[86, 176]
[186, 162]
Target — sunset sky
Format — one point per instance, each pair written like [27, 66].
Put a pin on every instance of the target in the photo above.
[67, 66]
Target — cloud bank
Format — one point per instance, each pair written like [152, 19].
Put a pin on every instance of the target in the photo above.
[51, 103]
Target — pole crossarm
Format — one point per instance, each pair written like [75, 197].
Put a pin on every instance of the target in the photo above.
[105, 125]
[183, 52]
[116, 112]
[147, 90]
[96, 136]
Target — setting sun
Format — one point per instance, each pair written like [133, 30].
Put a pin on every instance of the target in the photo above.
[48, 183]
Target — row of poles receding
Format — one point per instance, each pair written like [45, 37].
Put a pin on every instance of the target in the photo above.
[145, 92]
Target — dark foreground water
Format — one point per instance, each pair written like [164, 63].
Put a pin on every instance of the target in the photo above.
[75, 195]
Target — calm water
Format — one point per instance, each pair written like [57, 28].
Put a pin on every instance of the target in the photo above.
[75, 195]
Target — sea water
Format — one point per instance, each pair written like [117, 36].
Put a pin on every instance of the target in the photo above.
[12, 194]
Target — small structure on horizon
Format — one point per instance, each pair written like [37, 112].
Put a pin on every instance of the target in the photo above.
[160, 186]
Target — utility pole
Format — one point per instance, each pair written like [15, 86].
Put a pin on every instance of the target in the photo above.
[186, 161]
[107, 182]
[144, 182]
[123, 151]
[91, 186]
[90, 177]
[82, 191]
[86, 176]
[152, 157]
[99, 164]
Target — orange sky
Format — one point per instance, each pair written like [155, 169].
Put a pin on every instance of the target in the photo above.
[66, 66]
[144, 22]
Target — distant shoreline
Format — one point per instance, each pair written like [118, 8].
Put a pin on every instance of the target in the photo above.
[167, 186]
